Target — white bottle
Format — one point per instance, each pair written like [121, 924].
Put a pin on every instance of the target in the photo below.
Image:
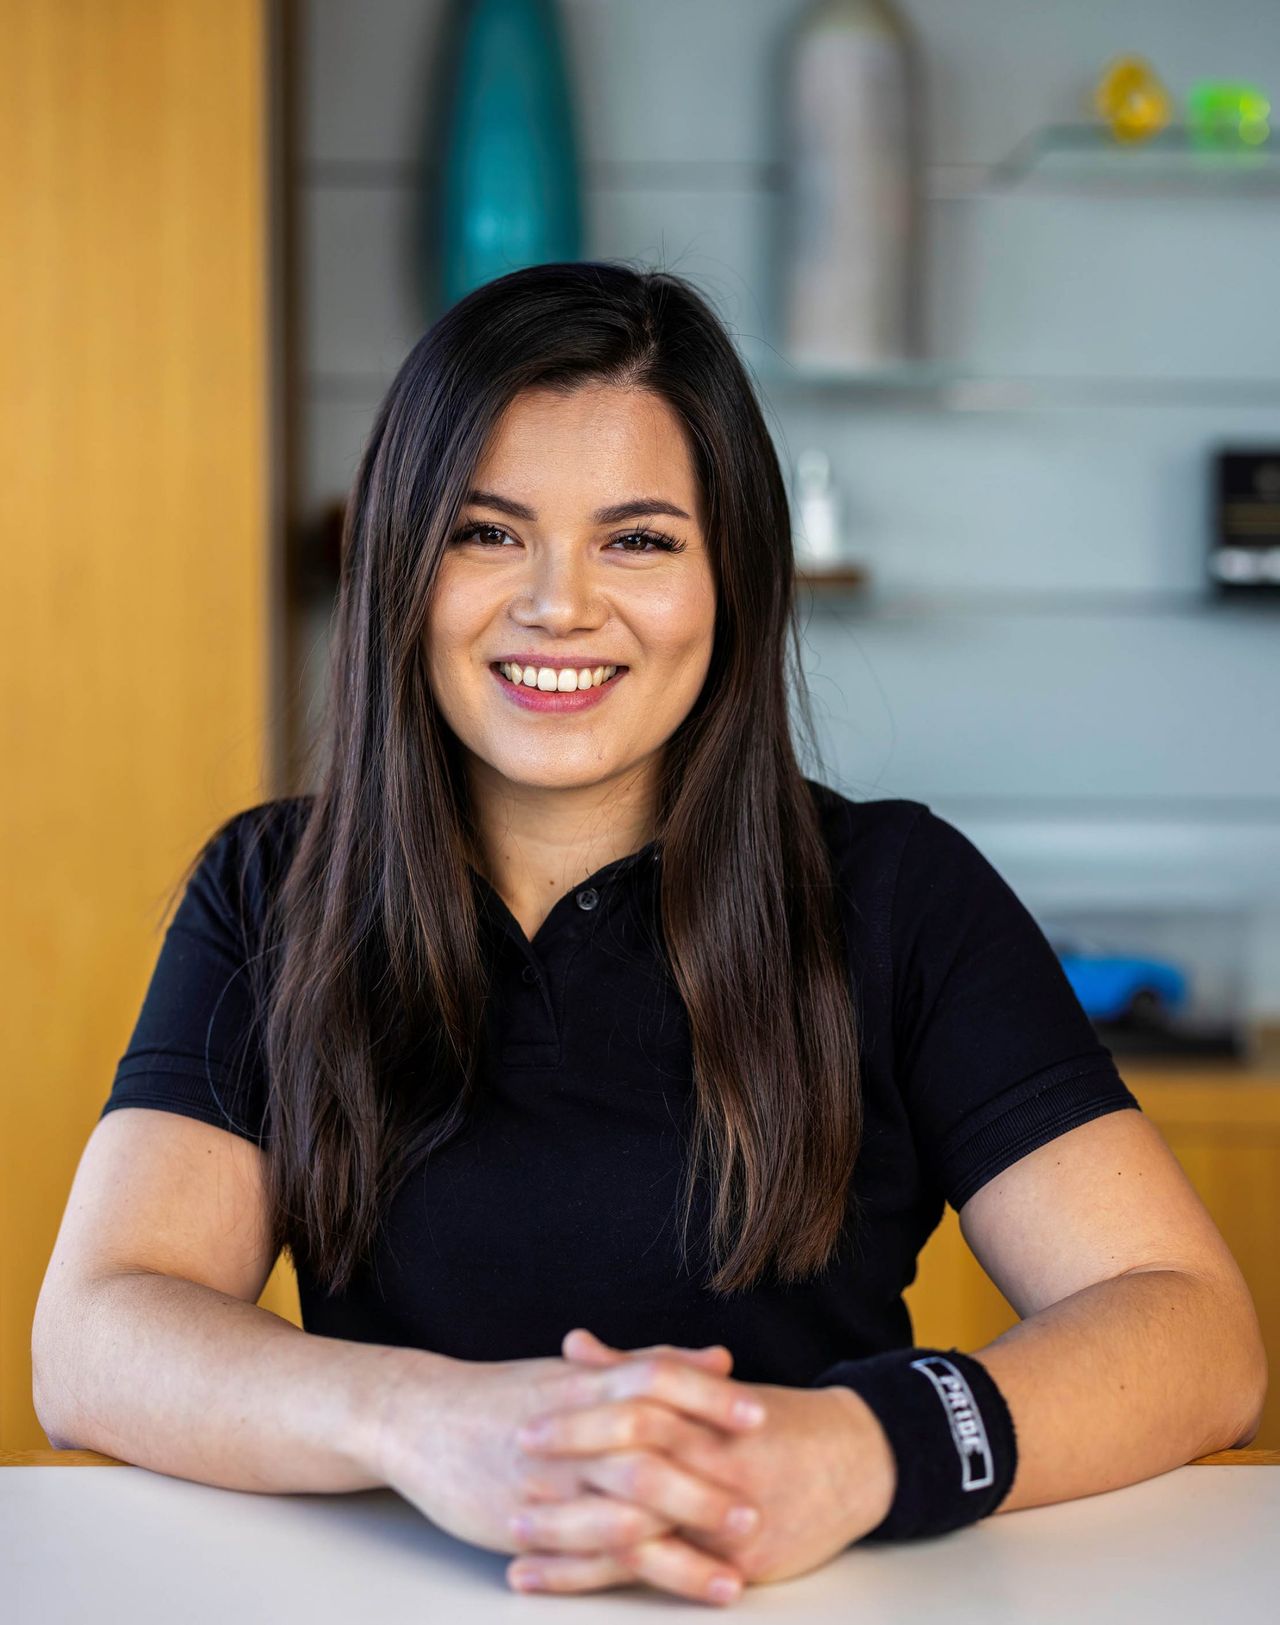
[818, 542]
[849, 245]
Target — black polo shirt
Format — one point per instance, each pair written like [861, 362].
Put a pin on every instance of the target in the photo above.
[558, 1205]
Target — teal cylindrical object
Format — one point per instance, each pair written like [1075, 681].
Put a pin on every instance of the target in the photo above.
[509, 187]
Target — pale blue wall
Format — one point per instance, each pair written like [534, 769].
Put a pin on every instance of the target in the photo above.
[1037, 661]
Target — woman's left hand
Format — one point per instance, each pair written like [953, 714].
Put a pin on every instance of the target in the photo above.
[819, 1469]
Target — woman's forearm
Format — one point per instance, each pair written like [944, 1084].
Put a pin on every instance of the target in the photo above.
[1126, 1379]
[171, 1375]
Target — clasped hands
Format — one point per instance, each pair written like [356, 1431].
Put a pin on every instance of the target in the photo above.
[659, 1477]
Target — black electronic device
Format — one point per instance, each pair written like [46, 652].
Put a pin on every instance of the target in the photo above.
[1244, 554]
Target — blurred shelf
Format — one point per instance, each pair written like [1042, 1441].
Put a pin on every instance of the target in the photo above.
[1087, 158]
[908, 374]
[1224, 1044]
[843, 578]
[869, 596]
[1089, 153]
[949, 386]
[1258, 1066]
[1075, 156]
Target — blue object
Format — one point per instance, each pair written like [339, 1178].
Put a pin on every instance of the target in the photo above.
[1116, 987]
[507, 149]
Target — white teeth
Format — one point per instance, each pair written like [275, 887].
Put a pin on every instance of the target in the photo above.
[563, 680]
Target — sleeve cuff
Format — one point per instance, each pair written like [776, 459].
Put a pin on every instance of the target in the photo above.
[1026, 1117]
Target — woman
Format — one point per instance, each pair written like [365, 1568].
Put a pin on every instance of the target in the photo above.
[565, 948]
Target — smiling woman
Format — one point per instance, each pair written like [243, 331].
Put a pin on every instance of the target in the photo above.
[567, 1004]
[563, 767]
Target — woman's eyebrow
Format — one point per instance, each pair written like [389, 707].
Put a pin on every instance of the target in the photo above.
[634, 508]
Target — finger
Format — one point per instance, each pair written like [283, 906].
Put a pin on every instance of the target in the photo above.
[709, 1397]
[586, 1342]
[578, 1438]
[664, 1491]
[712, 1359]
[673, 1564]
[707, 1394]
[550, 1480]
[533, 1491]
[665, 1488]
[569, 1573]
[625, 1424]
[581, 1344]
[617, 1423]
[666, 1562]
[630, 1452]
[590, 1523]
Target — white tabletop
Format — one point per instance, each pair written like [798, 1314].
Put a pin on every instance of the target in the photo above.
[123, 1544]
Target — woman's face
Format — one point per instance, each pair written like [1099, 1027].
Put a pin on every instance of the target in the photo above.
[550, 573]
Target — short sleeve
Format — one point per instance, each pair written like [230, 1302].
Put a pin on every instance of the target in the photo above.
[195, 1047]
[995, 1055]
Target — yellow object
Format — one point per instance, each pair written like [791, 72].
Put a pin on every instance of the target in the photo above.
[1132, 100]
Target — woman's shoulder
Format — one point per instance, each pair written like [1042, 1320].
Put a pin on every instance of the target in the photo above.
[920, 861]
[269, 827]
[277, 821]
[246, 855]
[874, 830]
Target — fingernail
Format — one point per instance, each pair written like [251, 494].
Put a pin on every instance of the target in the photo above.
[533, 1433]
[741, 1519]
[520, 1526]
[723, 1589]
[526, 1579]
[748, 1410]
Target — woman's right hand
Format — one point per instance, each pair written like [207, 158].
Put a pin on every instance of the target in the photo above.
[445, 1440]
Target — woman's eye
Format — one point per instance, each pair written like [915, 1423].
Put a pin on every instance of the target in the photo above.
[656, 538]
[476, 531]
[648, 540]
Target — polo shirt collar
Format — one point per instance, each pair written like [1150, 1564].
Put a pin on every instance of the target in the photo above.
[630, 870]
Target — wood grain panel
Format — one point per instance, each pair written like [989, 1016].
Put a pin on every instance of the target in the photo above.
[135, 504]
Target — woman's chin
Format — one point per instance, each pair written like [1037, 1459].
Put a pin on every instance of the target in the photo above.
[560, 774]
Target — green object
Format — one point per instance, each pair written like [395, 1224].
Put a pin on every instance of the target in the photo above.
[1222, 113]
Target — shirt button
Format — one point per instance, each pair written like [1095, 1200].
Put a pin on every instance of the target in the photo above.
[588, 898]
[529, 974]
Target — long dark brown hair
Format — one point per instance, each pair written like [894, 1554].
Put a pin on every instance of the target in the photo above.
[373, 940]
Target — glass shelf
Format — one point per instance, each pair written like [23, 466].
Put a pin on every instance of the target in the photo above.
[955, 387]
[1087, 155]
[909, 375]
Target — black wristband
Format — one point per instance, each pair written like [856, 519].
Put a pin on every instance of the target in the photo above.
[950, 1430]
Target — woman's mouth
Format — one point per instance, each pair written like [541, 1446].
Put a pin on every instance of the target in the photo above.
[534, 698]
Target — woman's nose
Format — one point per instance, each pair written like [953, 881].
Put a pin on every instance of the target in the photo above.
[558, 588]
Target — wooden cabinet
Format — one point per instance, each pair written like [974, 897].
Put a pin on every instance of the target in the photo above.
[137, 611]
[1223, 1124]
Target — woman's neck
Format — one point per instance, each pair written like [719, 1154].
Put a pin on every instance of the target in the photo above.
[538, 844]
